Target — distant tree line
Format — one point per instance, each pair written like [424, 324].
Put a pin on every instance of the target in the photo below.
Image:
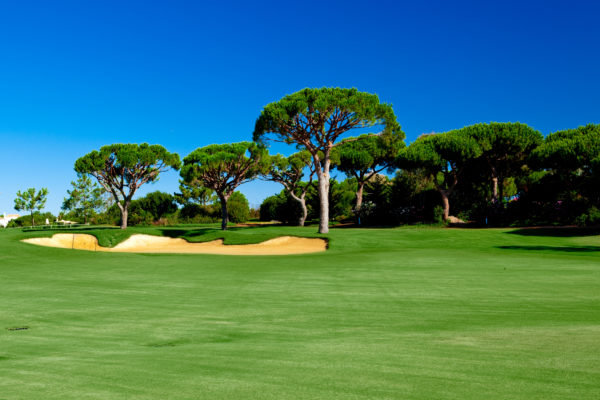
[495, 174]
[487, 174]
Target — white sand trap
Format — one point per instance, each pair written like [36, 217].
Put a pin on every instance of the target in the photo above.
[161, 244]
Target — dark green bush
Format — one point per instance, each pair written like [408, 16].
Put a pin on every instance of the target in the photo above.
[238, 208]
[589, 218]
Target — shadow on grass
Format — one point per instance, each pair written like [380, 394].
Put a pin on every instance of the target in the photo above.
[566, 231]
[213, 233]
[176, 233]
[567, 249]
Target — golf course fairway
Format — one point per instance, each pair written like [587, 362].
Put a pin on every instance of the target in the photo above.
[406, 313]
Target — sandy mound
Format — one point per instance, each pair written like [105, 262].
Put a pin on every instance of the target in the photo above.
[160, 244]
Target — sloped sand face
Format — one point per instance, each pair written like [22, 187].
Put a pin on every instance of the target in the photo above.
[160, 244]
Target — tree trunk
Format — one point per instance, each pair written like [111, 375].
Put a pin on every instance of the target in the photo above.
[494, 173]
[224, 214]
[124, 213]
[501, 191]
[494, 189]
[302, 201]
[32, 219]
[324, 200]
[359, 199]
[445, 203]
[302, 218]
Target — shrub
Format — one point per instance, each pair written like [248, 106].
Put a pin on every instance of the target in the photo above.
[238, 207]
[589, 218]
[157, 204]
[25, 220]
[280, 207]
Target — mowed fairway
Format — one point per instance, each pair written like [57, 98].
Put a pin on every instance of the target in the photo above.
[408, 313]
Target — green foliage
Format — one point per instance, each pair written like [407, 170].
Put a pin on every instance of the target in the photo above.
[314, 120]
[289, 171]
[367, 155]
[35, 219]
[504, 145]
[31, 200]
[224, 167]
[197, 213]
[193, 193]
[238, 208]
[134, 164]
[442, 153]
[364, 157]
[441, 156]
[572, 161]
[270, 206]
[146, 210]
[85, 199]
[139, 216]
[589, 218]
[438, 214]
[413, 198]
[311, 115]
[505, 148]
[341, 200]
[157, 204]
[570, 150]
[281, 207]
[136, 215]
[122, 168]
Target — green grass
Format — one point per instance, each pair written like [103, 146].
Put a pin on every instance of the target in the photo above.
[409, 313]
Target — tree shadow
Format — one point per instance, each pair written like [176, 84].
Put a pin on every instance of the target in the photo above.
[567, 249]
[176, 233]
[187, 233]
[563, 231]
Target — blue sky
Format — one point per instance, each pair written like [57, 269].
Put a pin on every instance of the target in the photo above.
[77, 75]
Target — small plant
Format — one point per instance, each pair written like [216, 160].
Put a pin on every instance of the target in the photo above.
[438, 215]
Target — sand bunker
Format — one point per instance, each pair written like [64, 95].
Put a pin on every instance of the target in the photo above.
[160, 244]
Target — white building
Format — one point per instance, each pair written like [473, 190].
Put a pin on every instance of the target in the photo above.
[6, 218]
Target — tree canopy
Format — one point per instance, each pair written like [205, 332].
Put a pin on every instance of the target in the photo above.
[570, 150]
[289, 171]
[158, 204]
[84, 199]
[314, 120]
[505, 147]
[224, 167]
[442, 156]
[122, 168]
[572, 158]
[365, 156]
[193, 194]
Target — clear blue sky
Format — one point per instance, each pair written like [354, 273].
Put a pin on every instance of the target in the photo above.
[78, 75]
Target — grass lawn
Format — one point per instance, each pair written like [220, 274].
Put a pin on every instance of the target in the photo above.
[408, 313]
